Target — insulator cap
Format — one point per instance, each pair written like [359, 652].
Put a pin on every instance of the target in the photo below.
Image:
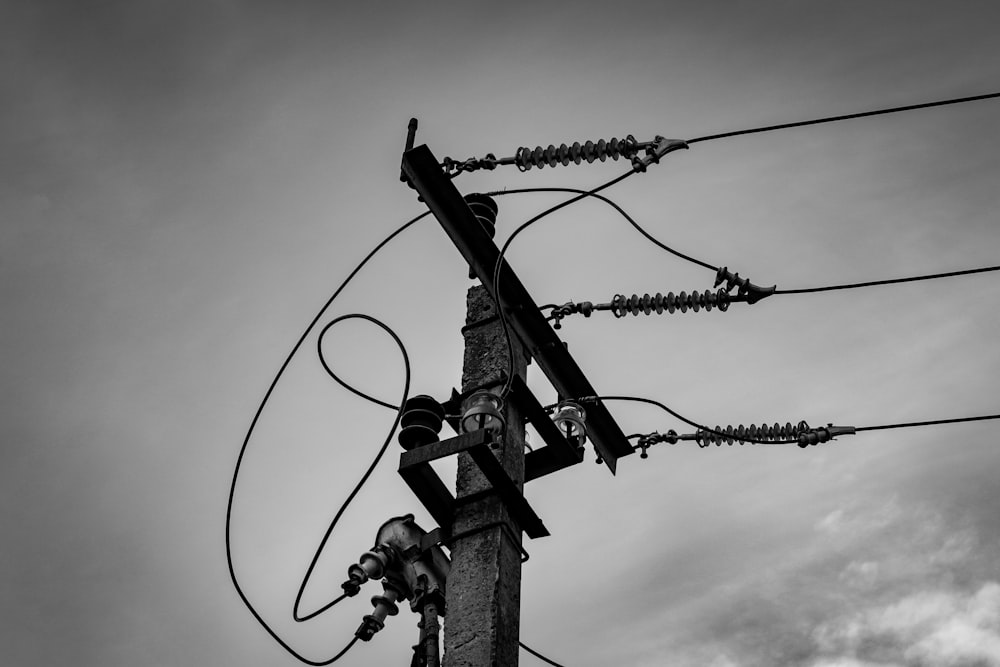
[485, 208]
[484, 410]
[421, 422]
[570, 419]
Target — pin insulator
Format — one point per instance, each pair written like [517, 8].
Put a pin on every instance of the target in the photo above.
[485, 209]
[421, 422]
[824, 434]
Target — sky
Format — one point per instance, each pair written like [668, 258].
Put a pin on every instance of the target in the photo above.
[185, 183]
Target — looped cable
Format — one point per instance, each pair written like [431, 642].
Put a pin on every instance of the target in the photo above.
[250, 431]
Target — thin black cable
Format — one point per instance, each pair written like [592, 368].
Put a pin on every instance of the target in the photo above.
[609, 202]
[371, 468]
[927, 423]
[249, 434]
[933, 276]
[354, 390]
[833, 119]
[538, 655]
[496, 271]
[693, 260]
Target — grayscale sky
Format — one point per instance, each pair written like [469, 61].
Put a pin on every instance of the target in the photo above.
[184, 183]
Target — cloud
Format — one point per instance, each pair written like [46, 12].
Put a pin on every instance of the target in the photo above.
[878, 581]
[932, 628]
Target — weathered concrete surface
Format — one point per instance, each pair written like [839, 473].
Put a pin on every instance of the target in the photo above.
[483, 619]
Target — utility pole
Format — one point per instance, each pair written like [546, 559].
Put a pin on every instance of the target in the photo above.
[484, 521]
[484, 586]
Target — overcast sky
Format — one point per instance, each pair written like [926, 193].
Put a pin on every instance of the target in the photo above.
[184, 183]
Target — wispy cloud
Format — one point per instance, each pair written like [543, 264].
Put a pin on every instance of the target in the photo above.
[926, 628]
[879, 584]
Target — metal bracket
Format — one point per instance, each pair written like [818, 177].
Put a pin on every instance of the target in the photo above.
[416, 471]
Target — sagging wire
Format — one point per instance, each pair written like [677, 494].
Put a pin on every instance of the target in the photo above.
[371, 467]
[505, 390]
[496, 271]
[746, 290]
[594, 193]
[246, 441]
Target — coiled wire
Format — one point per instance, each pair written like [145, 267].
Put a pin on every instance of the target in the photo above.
[246, 441]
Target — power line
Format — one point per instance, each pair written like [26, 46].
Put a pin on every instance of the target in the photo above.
[593, 193]
[538, 655]
[873, 283]
[652, 239]
[371, 467]
[834, 119]
[496, 272]
[246, 441]
[935, 422]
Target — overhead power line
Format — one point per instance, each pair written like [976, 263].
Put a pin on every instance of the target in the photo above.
[722, 272]
[539, 655]
[834, 119]
[873, 283]
[935, 422]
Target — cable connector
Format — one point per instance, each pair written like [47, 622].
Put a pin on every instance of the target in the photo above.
[455, 167]
[649, 439]
[824, 434]
[586, 308]
[745, 289]
[660, 147]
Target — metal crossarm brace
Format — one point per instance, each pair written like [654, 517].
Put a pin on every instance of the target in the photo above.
[415, 469]
[557, 453]
[522, 313]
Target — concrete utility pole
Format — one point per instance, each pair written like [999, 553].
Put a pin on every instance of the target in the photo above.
[484, 586]
[483, 523]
